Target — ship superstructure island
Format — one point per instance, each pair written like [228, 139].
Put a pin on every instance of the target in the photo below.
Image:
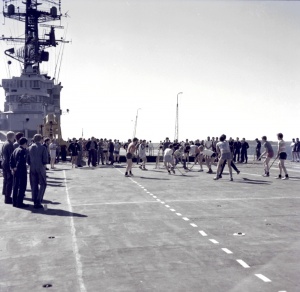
[32, 100]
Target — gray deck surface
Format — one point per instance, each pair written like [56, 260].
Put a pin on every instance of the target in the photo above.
[155, 232]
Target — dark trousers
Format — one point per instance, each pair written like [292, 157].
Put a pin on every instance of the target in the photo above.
[38, 182]
[100, 156]
[7, 183]
[236, 154]
[244, 156]
[92, 157]
[111, 157]
[258, 153]
[232, 165]
[19, 187]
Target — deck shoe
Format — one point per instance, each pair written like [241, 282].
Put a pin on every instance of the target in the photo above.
[38, 206]
[286, 177]
[279, 176]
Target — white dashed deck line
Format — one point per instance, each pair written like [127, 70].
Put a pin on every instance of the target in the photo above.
[227, 250]
[173, 210]
[178, 214]
[185, 219]
[162, 203]
[262, 277]
[79, 269]
[193, 225]
[243, 264]
[202, 233]
[214, 241]
[167, 206]
[148, 193]
[154, 197]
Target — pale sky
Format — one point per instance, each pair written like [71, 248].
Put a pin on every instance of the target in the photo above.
[236, 62]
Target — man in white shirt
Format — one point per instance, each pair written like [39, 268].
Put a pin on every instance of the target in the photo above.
[169, 159]
[142, 155]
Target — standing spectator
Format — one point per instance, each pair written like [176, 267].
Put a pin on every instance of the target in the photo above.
[80, 152]
[74, 149]
[7, 150]
[151, 148]
[63, 152]
[92, 147]
[19, 170]
[46, 145]
[100, 155]
[37, 160]
[117, 151]
[293, 150]
[244, 147]
[19, 135]
[208, 144]
[111, 148]
[297, 149]
[231, 146]
[52, 150]
[257, 149]
[237, 150]
[105, 151]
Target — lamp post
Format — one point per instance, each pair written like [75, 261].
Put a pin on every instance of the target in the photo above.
[176, 137]
[135, 125]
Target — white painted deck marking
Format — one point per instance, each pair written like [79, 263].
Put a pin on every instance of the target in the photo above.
[154, 197]
[74, 241]
[202, 233]
[227, 250]
[158, 200]
[214, 241]
[193, 225]
[167, 206]
[185, 219]
[163, 203]
[178, 214]
[114, 203]
[243, 264]
[262, 277]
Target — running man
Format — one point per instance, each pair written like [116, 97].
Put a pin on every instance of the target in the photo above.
[281, 154]
[129, 155]
[269, 154]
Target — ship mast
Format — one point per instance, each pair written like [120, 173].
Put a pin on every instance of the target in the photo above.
[33, 52]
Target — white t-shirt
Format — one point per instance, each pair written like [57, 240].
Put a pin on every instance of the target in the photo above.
[168, 152]
[223, 146]
[208, 144]
[208, 152]
[142, 151]
[281, 146]
[117, 146]
[193, 150]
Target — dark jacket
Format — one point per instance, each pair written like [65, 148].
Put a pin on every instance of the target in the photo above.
[18, 159]
[7, 150]
[37, 156]
[88, 145]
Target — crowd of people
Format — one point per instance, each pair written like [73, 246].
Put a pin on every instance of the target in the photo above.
[18, 153]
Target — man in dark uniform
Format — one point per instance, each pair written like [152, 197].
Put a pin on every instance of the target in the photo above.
[19, 135]
[19, 170]
[37, 159]
[92, 148]
[244, 147]
[257, 149]
[7, 150]
[237, 150]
